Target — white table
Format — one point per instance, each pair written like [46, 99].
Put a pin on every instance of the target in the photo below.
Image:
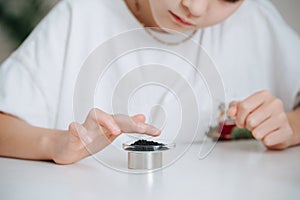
[233, 170]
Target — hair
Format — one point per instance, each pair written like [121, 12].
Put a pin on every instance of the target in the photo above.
[232, 1]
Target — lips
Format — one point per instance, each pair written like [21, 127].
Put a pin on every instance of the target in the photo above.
[180, 20]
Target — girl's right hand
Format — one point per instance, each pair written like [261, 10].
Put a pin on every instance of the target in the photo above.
[98, 131]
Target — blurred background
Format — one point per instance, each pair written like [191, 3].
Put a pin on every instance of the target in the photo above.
[19, 17]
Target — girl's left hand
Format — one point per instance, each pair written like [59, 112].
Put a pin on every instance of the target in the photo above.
[264, 115]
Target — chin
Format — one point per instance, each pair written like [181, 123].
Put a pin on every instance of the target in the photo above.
[177, 29]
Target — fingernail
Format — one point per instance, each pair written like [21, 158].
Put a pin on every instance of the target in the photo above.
[158, 132]
[230, 112]
[155, 131]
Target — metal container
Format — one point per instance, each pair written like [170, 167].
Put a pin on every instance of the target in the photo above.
[146, 157]
[145, 160]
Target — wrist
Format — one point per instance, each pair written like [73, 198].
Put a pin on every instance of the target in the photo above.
[50, 142]
[293, 118]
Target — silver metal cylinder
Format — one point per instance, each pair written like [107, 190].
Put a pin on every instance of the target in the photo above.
[144, 160]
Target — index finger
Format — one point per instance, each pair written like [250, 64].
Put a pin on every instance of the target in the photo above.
[232, 109]
[250, 104]
[129, 125]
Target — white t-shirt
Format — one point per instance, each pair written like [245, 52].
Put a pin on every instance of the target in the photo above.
[254, 49]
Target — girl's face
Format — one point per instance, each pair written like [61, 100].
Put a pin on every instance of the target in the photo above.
[184, 15]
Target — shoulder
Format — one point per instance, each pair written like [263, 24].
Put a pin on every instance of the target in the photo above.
[264, 7]
[259, 20]
[259, 12]
[96, 15]
[90, 8]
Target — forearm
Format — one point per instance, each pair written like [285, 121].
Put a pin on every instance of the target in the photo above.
[21, 140]
[294, 120]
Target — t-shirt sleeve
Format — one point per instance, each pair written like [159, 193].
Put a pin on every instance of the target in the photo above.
[287, 72]
[30, 78]
[286, 59]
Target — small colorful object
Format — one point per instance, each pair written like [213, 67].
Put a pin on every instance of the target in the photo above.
[227, 130]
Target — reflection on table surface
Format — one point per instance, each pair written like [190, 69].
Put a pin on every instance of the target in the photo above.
[233, 170]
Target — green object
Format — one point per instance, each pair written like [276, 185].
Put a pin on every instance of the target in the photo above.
[241, 133]
[18, 18]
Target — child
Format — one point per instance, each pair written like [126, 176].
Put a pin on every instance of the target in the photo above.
[255, 51]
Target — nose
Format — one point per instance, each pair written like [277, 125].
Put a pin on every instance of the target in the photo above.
[196, 8]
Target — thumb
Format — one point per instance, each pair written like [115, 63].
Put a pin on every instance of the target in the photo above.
[232, 109]
[79, 132]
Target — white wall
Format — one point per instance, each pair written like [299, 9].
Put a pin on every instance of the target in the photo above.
[290, 9]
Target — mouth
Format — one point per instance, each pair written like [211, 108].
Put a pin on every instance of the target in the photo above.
[180, 20]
